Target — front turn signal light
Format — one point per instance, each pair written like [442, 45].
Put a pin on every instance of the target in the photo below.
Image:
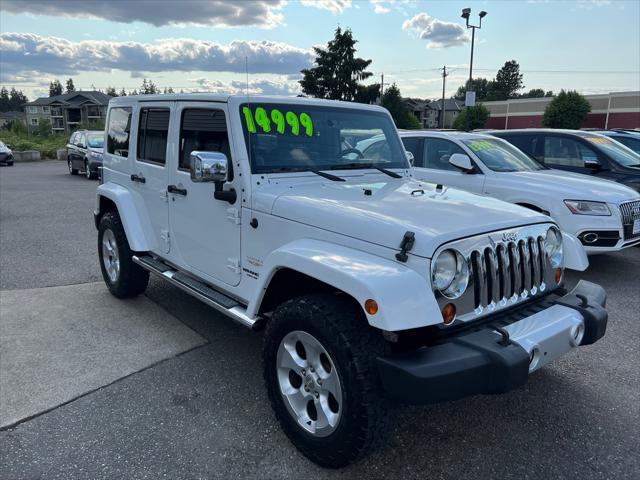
[449, 313]
[371, 306]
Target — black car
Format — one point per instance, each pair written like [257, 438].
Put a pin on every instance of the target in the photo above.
[6, 155]
[84, 152]
[578, 151]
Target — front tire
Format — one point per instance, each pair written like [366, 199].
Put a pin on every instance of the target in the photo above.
[319, 361]
[87, 171]
[123, 277]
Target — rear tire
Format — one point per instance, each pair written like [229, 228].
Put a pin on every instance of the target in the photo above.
[348, 349]
[72, 171]
[123, 277]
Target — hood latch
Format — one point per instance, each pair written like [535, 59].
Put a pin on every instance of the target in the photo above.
[405, 245]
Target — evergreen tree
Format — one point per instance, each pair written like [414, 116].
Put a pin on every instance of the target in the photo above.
[70, 86]
[123, 93]
[111, 91]
[338, 72]
[17, 99]
[509, 80]
[4, 100]
[55, 88]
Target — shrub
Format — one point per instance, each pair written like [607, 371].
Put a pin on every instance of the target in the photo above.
[472, 118]
[567, 110]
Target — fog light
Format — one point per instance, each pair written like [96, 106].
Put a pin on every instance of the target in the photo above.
[371, 306]
[448, 313]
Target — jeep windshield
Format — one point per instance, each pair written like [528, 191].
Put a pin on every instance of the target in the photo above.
[500, 156]
[298, 137]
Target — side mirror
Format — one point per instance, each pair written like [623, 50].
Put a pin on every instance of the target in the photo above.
[462, 161]
[409, 156]
[208, 167]
[592, 163]
[212, 167]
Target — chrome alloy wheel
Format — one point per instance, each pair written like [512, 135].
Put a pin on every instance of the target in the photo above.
[309, 383]
[110, 255]
[87, 172]
[69, 165]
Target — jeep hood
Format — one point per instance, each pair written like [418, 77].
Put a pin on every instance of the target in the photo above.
[436, 216]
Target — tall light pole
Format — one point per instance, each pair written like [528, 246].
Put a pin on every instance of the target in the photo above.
[470, 99]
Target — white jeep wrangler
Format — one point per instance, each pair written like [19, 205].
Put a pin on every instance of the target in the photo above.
[371, 286]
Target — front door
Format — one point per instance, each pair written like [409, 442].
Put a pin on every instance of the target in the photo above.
[149, 177]
[205, 232]
[434, 166]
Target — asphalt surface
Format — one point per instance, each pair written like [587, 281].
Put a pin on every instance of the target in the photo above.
[204, 414]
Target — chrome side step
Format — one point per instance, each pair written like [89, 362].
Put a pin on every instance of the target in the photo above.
[199, 290]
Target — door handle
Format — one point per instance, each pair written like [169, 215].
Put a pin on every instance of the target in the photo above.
[177, 191]
[138, 178]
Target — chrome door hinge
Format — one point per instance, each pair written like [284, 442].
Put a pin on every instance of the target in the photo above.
[233, 264]
[233, 215]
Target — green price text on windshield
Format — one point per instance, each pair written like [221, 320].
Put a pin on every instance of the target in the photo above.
[275, 119]
[480, 146]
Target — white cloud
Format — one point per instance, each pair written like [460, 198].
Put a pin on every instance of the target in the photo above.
[589, 4]
[379, 8]
[437, 33]
[334, 6]
[25, 52]
[219, 13]
[260, 86]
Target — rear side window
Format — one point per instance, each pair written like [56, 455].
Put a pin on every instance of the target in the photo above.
[526, 143]
[202, 129]
[152, 135]
[118, 130]
[566, 152]
[72, 140]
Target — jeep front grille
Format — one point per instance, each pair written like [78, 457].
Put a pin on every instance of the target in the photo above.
[630, 211]
[506, 268]
[507, 271]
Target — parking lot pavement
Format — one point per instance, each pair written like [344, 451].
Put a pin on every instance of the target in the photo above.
[47, 235]
[204, 414]
[58, 343]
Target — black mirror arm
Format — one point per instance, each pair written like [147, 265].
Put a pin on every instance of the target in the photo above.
[224, 195]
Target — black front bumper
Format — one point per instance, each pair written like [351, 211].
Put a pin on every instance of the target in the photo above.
[477, 360]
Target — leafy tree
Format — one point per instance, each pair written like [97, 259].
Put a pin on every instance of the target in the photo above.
[568, 109]
[509, 80]
[481, 86]
[111, 91]
[338, 71]
[402, 116]
[70, 86]
[55, 88]
[17, 99]
[549, 93]
[533, 93]
[43, 129]
[123, 93]
[472, 118]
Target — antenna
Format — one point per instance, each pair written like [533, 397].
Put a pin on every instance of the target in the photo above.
[246, 69]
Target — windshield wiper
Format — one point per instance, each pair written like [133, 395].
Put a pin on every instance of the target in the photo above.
[355, 166]
[326, 175]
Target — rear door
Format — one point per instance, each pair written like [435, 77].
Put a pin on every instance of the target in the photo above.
[433, 166]
[149, 171]
[205, 232]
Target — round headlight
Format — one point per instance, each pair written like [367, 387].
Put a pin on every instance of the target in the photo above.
[553, 246]
[450, 274]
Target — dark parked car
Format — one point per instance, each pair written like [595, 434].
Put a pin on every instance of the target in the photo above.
[578, 151]
[84, 152]
[6, 155]
[629, 138]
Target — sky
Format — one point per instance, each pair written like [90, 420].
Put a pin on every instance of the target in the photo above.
[592, 46]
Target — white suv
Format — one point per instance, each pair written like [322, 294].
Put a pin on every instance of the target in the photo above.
[369, 285]
[593, 209]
